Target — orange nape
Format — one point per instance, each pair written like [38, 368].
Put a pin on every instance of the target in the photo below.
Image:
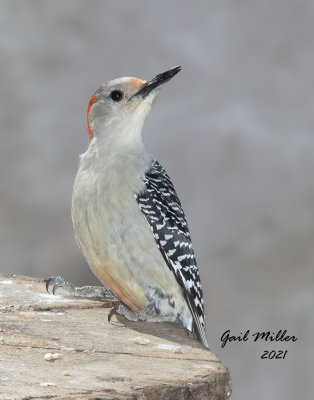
[91, 102]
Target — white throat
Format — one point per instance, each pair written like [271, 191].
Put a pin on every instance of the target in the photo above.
[122, 133]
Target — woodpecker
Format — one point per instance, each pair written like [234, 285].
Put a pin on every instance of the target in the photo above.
[128, 220]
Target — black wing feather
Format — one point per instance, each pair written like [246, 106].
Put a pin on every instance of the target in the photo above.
[164, 214]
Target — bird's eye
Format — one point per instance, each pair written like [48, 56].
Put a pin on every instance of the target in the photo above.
[116, 95]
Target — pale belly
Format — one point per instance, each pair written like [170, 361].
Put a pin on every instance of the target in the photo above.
[118, 244]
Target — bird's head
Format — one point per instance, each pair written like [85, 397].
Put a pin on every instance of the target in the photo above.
[117, 110]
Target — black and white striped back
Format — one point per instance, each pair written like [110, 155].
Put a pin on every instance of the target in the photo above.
[164, 214]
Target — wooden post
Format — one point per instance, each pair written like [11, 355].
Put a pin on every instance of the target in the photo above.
[62, 347]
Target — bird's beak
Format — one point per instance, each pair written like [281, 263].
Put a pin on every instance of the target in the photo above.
[156, 82]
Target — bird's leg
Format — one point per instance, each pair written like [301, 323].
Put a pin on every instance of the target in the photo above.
[84, 291]
[148, 314]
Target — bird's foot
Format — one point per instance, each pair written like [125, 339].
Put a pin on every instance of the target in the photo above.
[84, 291]
[148, 314]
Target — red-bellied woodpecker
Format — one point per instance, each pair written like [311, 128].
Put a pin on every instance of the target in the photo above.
[127, 218]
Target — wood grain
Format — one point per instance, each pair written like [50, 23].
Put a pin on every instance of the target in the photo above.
[95, 359]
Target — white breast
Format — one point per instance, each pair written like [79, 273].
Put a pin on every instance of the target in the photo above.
[112, 232]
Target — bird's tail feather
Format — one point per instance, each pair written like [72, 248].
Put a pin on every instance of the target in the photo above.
[200, 327]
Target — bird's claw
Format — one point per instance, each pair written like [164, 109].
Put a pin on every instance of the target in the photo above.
[57, 282]
[113, 311]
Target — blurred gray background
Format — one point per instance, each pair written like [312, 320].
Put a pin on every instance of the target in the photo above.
[235, 131]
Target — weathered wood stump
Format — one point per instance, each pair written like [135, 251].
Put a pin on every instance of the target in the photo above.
[61, 347]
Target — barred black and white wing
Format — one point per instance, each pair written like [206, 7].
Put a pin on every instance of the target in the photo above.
[164, 214]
